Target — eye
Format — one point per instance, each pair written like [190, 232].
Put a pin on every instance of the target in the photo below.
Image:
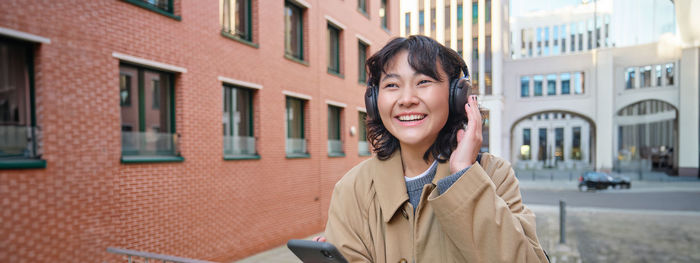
[425, 81]
[390, 85]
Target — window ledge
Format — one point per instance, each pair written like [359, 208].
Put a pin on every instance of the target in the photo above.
[365, 154]
[298, 155]
[153, 8]
[22, 163]
[152, 159]
[241, 157]
[363, 83]
[339, 154]
[296, 60]
[241, 40]
[336, 74]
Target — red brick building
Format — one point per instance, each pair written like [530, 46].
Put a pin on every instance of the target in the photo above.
[112, 111]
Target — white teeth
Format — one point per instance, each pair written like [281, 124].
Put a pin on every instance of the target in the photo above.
[411, 117]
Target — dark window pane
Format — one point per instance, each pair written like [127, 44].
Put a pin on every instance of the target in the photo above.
[293, 33]
[333, 49]
[361, 58]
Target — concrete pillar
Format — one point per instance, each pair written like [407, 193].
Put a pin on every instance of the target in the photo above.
[602, 77]
[689, 112]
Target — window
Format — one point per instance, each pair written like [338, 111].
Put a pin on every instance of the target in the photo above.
[645, 76]
[525, 147]
[487, 14]
[383, 14]
[239, 140]
[559, 144]
[659, 80]
[475, 13]
[546, 41]
[18, 129]
[163, 7]
[421, 22]
[578, 82]
[563, 38]
[362, 6]
[485, 131]
[447, 18]
[475, 62]
[590, 34]
[407, 26]
[361, 58]
[565, 83]
[236, 18]
[573, 37]
[362, 144]
[335, 144]
[293, 31]
[539, 41]
[629, 78]
[333, 49]
[582, 27]
[542, 151]
[551, 84]
[669, 74]
[433, 20]
[555, 40]
[576, 144]
[296, 142]
[524, 86]
[538, 85]
[148, 115]
[459, 15]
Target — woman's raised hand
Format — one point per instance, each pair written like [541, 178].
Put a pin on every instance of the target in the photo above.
[469, 140]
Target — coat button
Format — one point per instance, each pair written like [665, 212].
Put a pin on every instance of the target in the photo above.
[403, 213]
[403, 260]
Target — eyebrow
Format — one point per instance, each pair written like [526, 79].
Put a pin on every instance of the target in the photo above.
[391, 75]
[394, 75]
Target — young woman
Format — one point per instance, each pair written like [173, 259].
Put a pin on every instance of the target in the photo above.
[428, 195]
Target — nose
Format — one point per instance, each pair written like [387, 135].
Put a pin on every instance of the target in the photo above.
[408, 97]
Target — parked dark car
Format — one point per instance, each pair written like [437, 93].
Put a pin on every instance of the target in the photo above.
[597, 180]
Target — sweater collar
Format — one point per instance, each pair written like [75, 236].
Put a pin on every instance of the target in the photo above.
[391, 185]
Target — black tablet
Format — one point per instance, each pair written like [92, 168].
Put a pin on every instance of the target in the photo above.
[315, 252]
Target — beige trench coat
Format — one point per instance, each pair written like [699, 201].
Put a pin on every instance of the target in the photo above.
[480, 218]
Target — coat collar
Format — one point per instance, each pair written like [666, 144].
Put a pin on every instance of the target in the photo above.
[391, 185]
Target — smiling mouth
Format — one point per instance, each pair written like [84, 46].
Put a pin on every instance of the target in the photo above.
[411, 117]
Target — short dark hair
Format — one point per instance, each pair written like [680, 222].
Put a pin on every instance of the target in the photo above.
[423, 55]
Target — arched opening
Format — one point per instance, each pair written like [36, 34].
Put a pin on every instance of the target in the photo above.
[647, 137]
[560, 140]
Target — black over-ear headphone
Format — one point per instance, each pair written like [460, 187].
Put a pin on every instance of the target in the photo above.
[459, 90]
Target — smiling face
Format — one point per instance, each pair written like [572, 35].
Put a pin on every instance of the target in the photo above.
[413, 107]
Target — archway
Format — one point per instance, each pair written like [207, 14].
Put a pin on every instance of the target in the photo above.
[553, 139]
[647, 137]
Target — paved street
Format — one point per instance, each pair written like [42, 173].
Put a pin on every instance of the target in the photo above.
[618, 198]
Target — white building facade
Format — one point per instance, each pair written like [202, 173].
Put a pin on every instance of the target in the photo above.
[604, 85]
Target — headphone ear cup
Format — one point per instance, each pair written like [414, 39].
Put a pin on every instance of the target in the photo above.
[371, 102]
[459, 91]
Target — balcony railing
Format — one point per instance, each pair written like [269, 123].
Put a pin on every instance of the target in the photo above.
[335, 146]
[149, 144]
[239, 146]
[296, 146]
[18, 141]
[132, 256]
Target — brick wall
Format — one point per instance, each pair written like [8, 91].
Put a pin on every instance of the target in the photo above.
[205, 207]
